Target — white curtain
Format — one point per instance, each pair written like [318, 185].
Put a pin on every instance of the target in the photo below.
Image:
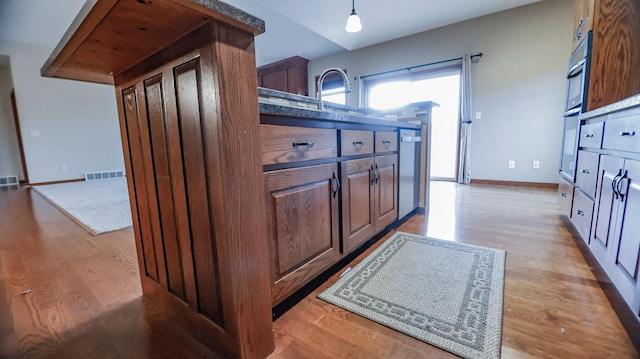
[464, 169]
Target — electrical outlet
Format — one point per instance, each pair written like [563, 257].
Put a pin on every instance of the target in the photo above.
[536, 165]
[478, 115]
[512, 164]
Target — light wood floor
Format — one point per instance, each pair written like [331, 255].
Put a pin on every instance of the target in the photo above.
[85, 295]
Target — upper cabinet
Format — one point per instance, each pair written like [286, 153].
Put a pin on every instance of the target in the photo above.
[583, 20]
[288, 75]
[615, 56]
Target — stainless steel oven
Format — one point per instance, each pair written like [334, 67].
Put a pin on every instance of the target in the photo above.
[576, 103]
[578, 77]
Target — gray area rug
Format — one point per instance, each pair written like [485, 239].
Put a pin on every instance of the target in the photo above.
[447, 294]
[99, 206]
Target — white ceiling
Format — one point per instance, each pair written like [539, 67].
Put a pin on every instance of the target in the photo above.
[310, 29]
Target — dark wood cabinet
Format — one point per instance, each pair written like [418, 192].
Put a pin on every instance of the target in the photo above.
[385, 191]
[288, 75]
[583, 20]
[369, 198]
[327, 192]
[303, 221]
[185, 86]
[358, 179]
[615, 55]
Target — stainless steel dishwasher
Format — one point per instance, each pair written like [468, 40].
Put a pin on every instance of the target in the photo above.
[408, 183]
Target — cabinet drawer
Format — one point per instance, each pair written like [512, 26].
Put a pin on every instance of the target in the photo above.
[581, 214]
[356, 142]
[622, 134]
[591, 135]
[565, 197]
[386, 141]
[587, 172]
[284, 144]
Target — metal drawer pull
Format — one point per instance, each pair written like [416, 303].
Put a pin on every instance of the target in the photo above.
[298, 144]
[628, 133]
[585, 171]
[386, 142]
[361, 143]
[563, 195]
[589, 135]
[580, 212]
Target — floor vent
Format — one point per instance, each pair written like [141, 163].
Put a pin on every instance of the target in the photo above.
[92, 176]
[9, 181]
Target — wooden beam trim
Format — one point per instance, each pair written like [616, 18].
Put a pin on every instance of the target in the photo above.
[515, 183]
[76, 34]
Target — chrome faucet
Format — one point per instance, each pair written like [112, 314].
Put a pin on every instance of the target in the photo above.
[347, 86]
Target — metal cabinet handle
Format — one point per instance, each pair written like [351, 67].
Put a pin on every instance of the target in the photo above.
[335, 185]
[361, 143]
[585, 171]
[377, 171]
[372, 175]
[563, 194]
[589, 135]
[618, 188]
[578, 32]
[386, 142]
[298, 144]
[614, 184]
[580, 212]
[628, 133]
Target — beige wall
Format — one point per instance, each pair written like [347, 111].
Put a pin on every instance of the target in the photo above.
[10, 164]
[518, 85]
[77, 121]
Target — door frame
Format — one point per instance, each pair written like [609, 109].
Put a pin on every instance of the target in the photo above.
[16, 120]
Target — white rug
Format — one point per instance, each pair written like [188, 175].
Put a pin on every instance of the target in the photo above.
[99, 206]
[444, 293]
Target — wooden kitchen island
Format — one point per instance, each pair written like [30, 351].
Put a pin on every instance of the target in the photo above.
[184, 72]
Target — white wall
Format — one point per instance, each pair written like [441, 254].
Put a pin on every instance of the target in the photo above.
[77, 121]
[10, 164]
[518, 85]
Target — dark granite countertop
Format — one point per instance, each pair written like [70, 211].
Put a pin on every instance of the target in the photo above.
[303, 113]
[279, 103]
[625, 104]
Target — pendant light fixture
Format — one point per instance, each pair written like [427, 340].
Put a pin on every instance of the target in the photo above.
[353, 22]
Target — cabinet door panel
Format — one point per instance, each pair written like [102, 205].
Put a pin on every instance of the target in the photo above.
[625, 264]
[565, 196]
[303, 220]
[303, 225]
[357, 202]
[587, 172]
[582, 214]
[605, 211]
[386, 189]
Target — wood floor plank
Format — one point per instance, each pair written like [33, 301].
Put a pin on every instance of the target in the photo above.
[86, 299]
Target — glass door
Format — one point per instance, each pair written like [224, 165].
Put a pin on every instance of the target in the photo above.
[441, 86]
